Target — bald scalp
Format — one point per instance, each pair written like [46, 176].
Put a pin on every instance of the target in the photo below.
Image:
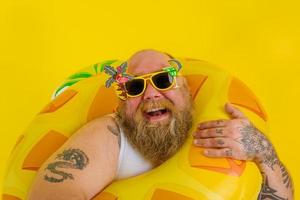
[150, 60]
[156, 141]
[147, 58]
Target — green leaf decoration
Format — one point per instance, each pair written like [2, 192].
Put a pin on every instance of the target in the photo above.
[171, 70]
[110, 70]
[80, 75]
[177, 63]
[95, 66]
[98, 67]
[69, 83]
[102, 65]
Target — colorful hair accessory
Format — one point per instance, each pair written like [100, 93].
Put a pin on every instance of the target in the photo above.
[173, 70]
[120, 91]
[117, 75]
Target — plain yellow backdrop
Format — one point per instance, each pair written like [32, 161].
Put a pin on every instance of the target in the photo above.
[43, 42]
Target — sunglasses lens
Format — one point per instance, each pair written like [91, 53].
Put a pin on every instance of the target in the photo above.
[135, 86]
[162, 80]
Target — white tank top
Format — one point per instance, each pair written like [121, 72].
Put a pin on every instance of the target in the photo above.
[131, 162]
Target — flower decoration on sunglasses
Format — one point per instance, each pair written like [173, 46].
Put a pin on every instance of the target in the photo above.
[173, 71]
[119, 76]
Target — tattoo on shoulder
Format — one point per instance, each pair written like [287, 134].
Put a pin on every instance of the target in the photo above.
[254, 142]
[68, 159]
[268, 193]
[116, 131]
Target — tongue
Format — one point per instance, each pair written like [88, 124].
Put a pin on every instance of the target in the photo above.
[155, 113]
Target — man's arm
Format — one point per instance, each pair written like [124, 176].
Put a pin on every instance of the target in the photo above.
[82, 167]
[277, 183]
[239, 139]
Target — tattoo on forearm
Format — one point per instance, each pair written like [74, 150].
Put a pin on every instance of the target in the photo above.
[287, 181]
[254, 143]
[268, 193]
[69, 159]
[256, 146]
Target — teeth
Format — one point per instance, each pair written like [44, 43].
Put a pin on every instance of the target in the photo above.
[155, 109]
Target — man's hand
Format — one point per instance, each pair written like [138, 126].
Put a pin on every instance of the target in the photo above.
[237, 138]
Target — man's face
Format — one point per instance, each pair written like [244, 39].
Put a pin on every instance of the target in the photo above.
[175, 96]
[157, 122]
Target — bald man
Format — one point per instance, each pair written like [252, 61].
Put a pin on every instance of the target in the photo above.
[149, 127]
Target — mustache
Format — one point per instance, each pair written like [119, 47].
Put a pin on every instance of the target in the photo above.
[156, 104]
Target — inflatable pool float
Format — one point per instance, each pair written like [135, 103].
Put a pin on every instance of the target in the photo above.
[188, 175]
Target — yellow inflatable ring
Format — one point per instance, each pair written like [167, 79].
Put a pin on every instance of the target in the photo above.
[186, 176]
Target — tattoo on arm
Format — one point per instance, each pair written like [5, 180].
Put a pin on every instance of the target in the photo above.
[268, 193]
[254, 143]
[219, 131]
[116, 132]
[287, 180]
[228, 152]
[220, 141]
[69, 159]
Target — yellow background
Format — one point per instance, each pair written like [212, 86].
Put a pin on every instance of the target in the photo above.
[43, 42]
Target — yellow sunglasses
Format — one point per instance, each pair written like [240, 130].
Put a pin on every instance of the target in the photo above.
[161, 80]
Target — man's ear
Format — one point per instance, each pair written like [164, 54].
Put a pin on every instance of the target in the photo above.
[183, 84]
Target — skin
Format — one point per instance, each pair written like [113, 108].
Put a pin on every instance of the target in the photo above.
[63, 178]
[156, 136]
[145, 62]
[237, 138]
[70, 173]
[92, 152]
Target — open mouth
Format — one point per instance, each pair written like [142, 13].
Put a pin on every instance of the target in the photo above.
[157, 114]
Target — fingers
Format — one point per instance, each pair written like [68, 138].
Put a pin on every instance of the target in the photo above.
[211, 132]
[234, 112]
[219, 153]
[213, 124]
[218, 137]
[212, 142]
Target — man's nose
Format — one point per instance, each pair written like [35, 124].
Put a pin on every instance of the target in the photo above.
[151, 93]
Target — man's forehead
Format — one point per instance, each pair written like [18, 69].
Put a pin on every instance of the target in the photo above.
[146, 69]
[147, 62]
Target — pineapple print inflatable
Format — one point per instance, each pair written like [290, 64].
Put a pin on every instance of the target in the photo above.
[188, 175]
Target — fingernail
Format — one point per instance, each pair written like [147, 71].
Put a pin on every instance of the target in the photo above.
[205, 152]
[197, 142]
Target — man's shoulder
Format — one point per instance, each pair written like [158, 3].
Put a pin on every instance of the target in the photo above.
[103, 120]
[105, 125]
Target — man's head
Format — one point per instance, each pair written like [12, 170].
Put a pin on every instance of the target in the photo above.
[156, 122]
